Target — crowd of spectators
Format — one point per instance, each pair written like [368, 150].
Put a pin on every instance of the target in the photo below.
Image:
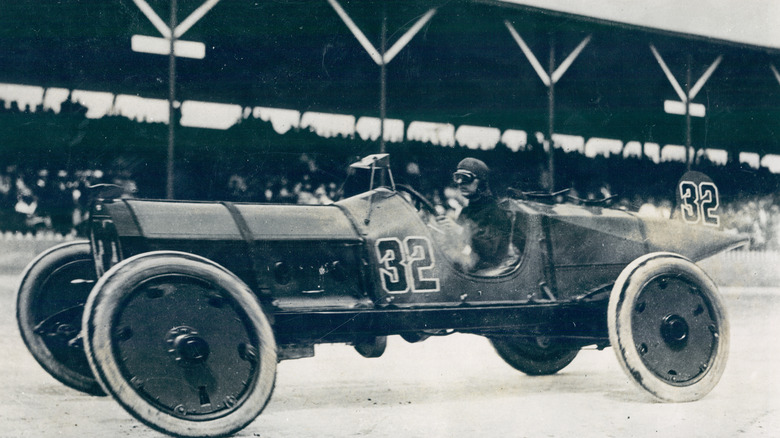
[40, 200]
[56, 201]
[758, 217]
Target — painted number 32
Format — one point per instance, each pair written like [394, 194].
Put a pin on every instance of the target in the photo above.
[699, 202]
[406, 265]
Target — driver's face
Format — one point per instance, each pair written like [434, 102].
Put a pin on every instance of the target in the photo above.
[470, 189]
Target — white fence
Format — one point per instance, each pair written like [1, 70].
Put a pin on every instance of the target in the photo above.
[48, 236]
[744, 268]
[18, 249]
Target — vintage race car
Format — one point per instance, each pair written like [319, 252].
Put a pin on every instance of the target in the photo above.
[181, 310]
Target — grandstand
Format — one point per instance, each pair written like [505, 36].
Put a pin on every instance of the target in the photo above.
[280, 103]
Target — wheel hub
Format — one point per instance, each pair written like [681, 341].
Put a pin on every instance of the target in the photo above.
[192, 349]
[186, 346]
[674, 331]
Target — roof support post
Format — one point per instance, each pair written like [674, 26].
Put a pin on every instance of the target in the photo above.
[689, 154]
[383, 83]
[549, 79]
[686, 96]
[173, 31]
[172, 119]
[382, 57]
[551, 117]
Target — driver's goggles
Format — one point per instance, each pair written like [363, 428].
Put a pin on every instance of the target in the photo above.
[463, 177]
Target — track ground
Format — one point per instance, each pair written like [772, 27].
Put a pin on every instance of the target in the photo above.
[453, 386]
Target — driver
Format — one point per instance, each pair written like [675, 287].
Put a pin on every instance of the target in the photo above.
[482, 219]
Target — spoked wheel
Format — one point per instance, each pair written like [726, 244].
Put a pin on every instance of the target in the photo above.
[181, 343]
[668, 327]
[539, 356]
[49, 305]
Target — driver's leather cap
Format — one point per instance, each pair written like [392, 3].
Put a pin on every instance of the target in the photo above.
[474, 166]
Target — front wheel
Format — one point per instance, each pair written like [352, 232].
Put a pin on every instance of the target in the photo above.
[668, 327]
[181, 343]
[539, 356]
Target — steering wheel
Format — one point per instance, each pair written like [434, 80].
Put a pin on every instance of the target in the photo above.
[419, 201]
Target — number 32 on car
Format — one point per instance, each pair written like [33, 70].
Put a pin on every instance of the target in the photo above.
[406, 265]
[699, 203]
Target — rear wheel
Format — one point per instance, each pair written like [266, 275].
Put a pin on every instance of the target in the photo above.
[49, 305]
[537, 356]
[181, 343]
[371, 347]
[668, 327]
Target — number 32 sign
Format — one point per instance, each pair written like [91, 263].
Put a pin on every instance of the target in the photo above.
[698, 199]
[406, 265]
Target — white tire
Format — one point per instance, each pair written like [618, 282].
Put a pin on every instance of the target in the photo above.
[668, 327]
[181, 343]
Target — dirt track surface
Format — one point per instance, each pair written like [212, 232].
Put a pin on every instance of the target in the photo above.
[453, 386]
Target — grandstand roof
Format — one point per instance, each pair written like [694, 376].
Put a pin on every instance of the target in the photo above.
[752, 23]
[464, 67]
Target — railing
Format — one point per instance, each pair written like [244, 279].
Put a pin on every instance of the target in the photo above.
[761, 256]
[17, 249]
[744, 268]
[48, 236]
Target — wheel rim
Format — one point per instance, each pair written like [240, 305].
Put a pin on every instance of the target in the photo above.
[675, 329]
[56, 314]
[186, 347]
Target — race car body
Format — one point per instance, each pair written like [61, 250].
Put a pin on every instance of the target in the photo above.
[181, 310]
[343, 264]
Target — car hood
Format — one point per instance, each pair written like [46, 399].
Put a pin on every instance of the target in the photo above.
[179, 220]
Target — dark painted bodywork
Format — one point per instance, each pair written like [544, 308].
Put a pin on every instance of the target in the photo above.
[372, 264]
